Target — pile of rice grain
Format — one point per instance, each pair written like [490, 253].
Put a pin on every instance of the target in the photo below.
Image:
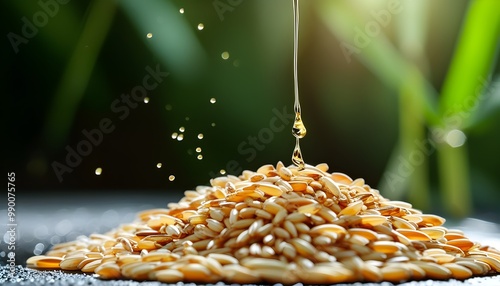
[279, 225]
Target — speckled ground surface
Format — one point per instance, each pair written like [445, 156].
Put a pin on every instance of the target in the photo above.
[44, 222]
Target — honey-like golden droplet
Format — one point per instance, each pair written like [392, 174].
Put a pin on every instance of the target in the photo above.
[298, 129]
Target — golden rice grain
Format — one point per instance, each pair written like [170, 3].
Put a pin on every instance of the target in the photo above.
[402, 223]
[240, 274]
[384, 246]
[464, 243]
[326, 275]
[371, 273]
[352, 209]
[415, 235]
[82, 266]
[395, 273]
[330, 186]
[108, 270]
[367, 233]
[71, 263]
[472, 265]
[47, 262]
[492, 262]
[373, 220]
[309, 209]
[458, 271]
[168, 276]
[433, 270]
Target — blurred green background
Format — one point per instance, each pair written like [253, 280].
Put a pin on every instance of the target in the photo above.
[405, 94]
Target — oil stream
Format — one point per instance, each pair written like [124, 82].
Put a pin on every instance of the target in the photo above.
[298, 129]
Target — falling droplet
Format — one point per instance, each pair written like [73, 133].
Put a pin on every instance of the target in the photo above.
[213, 124]
[181, 10]
[146, 99]
[187, 118]
[174, 135]
[200, 157]
[98, 171]
[158, 165]
[201, 26]
[222, 171]
[198, 149]
[180, 137]
[182, 129]
[168, 107]
[149, 35]
[236, 63]
[298, 129]
[171, 178]
[225, 55]
[213, 100]
[200, 136]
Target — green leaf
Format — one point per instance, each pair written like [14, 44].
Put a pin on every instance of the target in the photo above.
[472, 63]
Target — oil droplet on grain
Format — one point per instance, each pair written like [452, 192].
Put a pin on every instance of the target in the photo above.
[201, 26]
[171, 178]
[199, 157]
[149, 35]
[182, 129]
[98, 171]
[181, 10]
[297, 159]
[180, 137]
[198, 149]
[158, 165]
[222, 171]
[225, 55]
[146, 99]
[213, 100]
[174, 135]
[200, 136]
